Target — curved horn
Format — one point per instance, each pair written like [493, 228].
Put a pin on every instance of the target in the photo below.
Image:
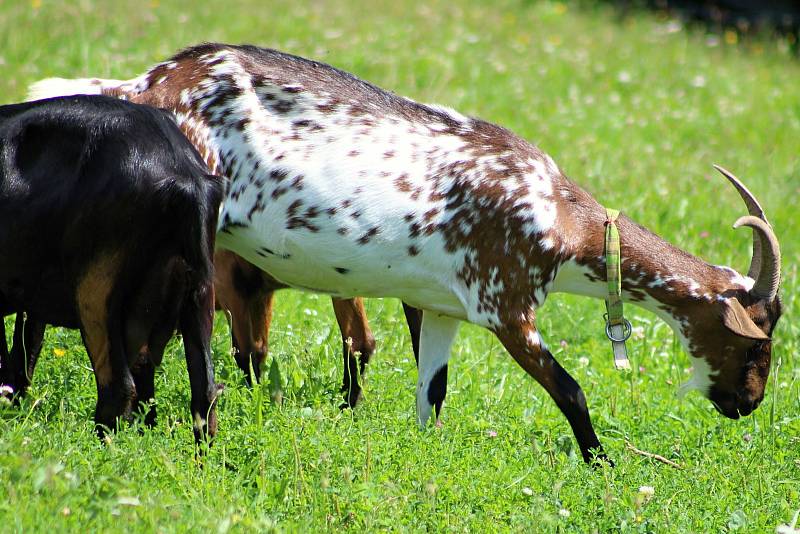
[754, 209]
[766, 285]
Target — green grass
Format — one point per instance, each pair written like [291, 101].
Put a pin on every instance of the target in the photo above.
[635, 109]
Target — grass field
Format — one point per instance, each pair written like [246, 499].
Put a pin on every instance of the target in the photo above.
[635, 109]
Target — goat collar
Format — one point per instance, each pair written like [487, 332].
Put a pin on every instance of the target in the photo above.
[618, 329]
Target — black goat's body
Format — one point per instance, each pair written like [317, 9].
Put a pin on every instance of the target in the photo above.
[107, 224]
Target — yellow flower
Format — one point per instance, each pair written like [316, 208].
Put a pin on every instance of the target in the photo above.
[731, 37]
[36, 4]
[59, 352]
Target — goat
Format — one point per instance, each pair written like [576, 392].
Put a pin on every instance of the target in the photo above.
[242, 289]
[107, 217]
[247, 294]
[340, 187]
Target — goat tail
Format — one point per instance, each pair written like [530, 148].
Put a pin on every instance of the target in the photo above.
[196, 207]
[53, 87]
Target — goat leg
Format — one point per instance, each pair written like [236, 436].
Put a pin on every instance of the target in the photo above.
[247, 293]
[414, 320]
[25, 350]
[358, 344]
[436, 336]
[528, 349]
[196, 322]
[4, 358]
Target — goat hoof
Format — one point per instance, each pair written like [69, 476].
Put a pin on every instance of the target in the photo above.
[351, 399]
[348, 404]
[601, 460]
[352, 396]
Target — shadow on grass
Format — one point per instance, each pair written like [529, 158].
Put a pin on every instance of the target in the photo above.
[778, 18]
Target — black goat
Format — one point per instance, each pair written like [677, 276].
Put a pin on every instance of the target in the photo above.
[107, 218]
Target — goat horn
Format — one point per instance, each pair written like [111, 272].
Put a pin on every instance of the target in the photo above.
[753, 207]
[769, 276]
[758, 258]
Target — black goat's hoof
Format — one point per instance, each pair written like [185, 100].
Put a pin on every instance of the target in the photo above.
[350, 401]
[600, 461]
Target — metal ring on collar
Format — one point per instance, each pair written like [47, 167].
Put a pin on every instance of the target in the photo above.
[627, 329]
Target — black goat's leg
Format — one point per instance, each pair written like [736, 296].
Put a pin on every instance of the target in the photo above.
[196, 321]
[25, 350]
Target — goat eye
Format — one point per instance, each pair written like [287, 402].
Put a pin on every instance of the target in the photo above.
[757, 351]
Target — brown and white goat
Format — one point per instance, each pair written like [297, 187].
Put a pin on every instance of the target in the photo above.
[247, 293]
[340, 187]
[241, 289]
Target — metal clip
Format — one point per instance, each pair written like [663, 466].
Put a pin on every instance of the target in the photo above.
[627, 329]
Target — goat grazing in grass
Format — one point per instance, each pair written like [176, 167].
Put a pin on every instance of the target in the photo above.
[242, 289]
[247, 294]
[107, 221]
[340, 187]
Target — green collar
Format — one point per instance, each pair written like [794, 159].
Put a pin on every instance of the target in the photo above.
[618, 329]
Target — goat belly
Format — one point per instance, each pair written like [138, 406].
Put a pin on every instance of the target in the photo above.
[369, 258]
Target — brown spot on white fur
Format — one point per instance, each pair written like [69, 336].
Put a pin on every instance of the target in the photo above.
[501, 225]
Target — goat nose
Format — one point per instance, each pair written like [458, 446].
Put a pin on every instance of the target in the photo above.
[747, 405]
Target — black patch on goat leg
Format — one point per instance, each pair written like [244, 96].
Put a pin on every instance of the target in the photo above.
[437, 389]
[569, 397]
[350, 386]
[414, 320]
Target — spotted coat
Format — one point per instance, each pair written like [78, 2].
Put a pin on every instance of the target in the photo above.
[340, 187]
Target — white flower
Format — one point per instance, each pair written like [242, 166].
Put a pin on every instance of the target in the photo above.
[637, 332]
[527, 491]
[563, 512]
[647, 490]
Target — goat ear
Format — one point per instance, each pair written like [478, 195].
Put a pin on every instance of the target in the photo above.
[735, 319]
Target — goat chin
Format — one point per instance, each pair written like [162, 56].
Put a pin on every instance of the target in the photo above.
[697, 383]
